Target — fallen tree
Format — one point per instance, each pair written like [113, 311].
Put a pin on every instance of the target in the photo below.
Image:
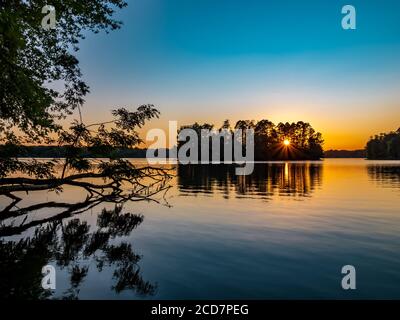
[104, 180]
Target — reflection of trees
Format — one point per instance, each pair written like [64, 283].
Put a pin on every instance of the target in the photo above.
[72, 246]
[142, 192]
[145, 183]
[297, 179]
[385, 175]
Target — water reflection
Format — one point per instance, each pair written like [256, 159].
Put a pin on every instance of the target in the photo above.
[385, 175]
[267, 179]
[197, 247]
[73, 248]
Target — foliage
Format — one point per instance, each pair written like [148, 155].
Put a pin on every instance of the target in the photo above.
[305, 142]
[41, 83]
[113, 179]
[384, 146]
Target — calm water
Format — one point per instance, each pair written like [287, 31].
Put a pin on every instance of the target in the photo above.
[283, 232]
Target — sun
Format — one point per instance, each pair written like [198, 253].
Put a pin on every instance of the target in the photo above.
[286, 142]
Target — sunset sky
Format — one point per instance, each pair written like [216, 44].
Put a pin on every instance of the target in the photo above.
[208, 60]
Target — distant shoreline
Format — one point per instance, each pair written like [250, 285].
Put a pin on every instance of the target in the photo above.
[59, 152]
[360, 153]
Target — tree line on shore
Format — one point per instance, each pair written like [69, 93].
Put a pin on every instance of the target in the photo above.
[285, 141]
[384, 146]
[379, 147]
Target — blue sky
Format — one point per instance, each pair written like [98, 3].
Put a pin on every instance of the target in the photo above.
[208, 60]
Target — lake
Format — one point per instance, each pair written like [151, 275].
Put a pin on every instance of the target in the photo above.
[283, 232]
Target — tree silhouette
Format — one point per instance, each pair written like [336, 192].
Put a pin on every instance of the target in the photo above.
[384, 146]
[32, 60]
[305, 142]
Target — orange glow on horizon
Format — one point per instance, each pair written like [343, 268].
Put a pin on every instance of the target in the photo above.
[339, 132]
